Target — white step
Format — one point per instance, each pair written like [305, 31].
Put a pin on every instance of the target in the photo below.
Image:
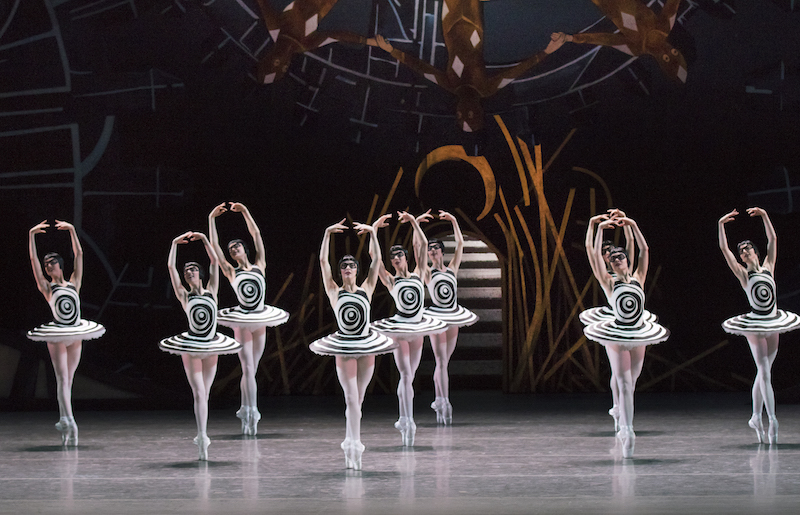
[480, 340]
[489, 315]
[473, 257]
[480, 292]
[479, 273]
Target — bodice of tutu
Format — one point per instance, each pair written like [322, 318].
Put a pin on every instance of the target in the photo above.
[250, 287]
[65, 304]
[408, 294]
[443, 288]
[627, 303]
[352, 312]
[201, 311]
[760, 292]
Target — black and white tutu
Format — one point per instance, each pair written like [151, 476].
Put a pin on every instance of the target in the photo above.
[251, 313]
[443, 290]
[67, 325]
[628, 327]
[410, 321]
[765, 317]
[593, 315]
[202, 338]
[355, 336]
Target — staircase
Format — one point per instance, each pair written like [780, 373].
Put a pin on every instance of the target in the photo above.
[477, 362]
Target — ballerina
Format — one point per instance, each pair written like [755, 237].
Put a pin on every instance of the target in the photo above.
[628, 332]
[250, 319]
[355, 344]
[65, 334]
[442, 286]
[201, 344]
[765, 321]
[410, 325]
[592, 315]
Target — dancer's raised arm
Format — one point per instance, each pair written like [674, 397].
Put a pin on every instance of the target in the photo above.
[331, 288]
[174, 276]
[227, 269]
[386, 278]
[738, 270]
[589, 241]
[772, 238]
[77, 251]
[374, 252]
[260, 259]
[41, 281]
[456, 261]
[419, 241]
[213, 266]
[643, 262]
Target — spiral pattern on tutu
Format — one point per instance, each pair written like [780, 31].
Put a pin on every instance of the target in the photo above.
[443, 290]
[408, 299]
[600, 313]
[765, 317]
[235, 317]
[409, 322]
[67, 325]
[628, 327]
[202, 338]
[355, 337]
[250, 288]
[396, 327]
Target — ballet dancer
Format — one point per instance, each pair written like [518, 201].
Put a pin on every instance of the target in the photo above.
[201, 344]
[592, 315]
[65, 334]
[628, 332]
[443, 286]
[765, 321]
[355, 344]
[250, 319]
[409, 325]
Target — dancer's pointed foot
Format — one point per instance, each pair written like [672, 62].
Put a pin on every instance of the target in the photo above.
[244, 415]
[72, 432]
[356, 449]
[62, 426]
[438, 406]
[346, 444]
[614, 412]
[255, 416]
[448, 412]
[755, 423]
[772, 432]
[407, 429]
[628, 438]
[202, 441]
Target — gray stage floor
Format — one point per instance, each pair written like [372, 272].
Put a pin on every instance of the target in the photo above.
[504, 454]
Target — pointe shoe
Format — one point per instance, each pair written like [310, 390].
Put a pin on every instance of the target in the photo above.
[255, 416]
[63, 427]
[202, 441]
[356, 449]
[772, 432]
[438, 407]
[346, 444]
[614, 412]
[72, 432]
[448, 412]
[628, 438]
[407, 429]
[755, 423]
[244, 415]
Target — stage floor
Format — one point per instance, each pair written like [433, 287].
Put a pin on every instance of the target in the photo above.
[503, 454]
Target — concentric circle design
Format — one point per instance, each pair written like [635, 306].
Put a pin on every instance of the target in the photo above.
[628, 306]
[443, 289]
[408, 300]
[202, 315]
[250, 293]
[352, 315]
[66, 307]
[762, 296]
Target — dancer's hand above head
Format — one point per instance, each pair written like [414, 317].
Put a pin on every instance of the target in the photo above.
[608, 224]
[381, 222]
[596, 219]
[616, 213]
[220, 209]
[425, 217]
[337, 227]
[237, 207]
[405, 217]
[363, 228]
[728, 217]
[756, 211]
[64, 226]
[40, 227]
[444, 215]
[183, 238]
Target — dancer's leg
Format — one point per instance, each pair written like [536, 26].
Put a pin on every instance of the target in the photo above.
[621, 361]
[65, 359]
[247, 385]
[401, 360]
[443, 345]
[764, 351]
[347, 373]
